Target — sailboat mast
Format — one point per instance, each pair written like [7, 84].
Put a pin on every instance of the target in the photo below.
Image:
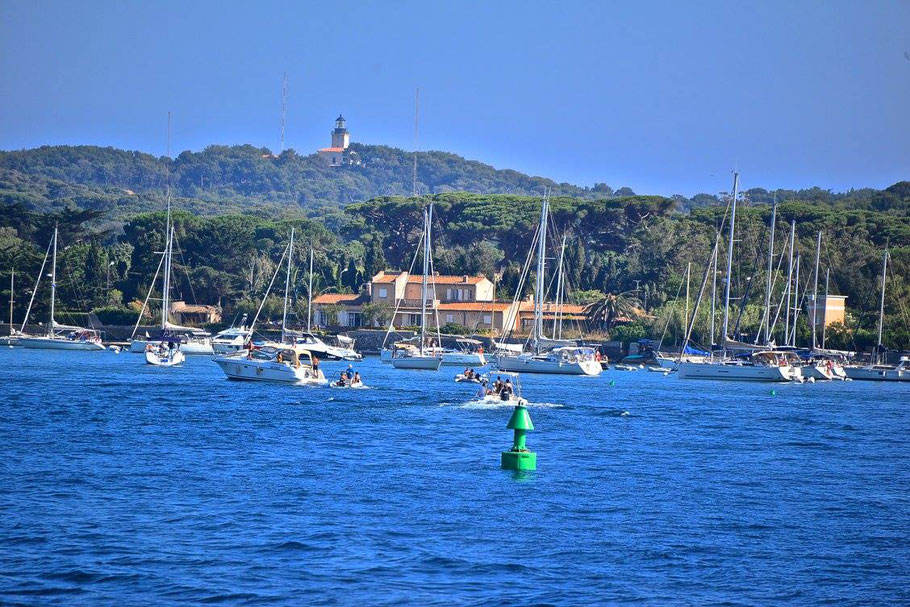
[789, 282]
[796, 306]
[559, 293]
[824, 319]
[50, 325]
[168, 236]
[423, 285]
[713, 294]
[881, 308]
[287, 285]
[770, 271]
[729, 274]
[309, 297]
[541, 265]
[12, 283]
[818, 252]
[688, 275]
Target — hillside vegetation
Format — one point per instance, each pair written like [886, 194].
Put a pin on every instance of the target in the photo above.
[236, 205]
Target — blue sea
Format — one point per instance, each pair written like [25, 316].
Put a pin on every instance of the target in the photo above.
[126, 484]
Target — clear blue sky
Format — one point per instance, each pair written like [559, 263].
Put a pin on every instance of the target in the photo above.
[664, 97]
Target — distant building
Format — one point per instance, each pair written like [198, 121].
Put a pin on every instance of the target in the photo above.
[831, 309]
[341, 140]
[193, 315]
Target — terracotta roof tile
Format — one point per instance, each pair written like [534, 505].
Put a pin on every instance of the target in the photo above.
[339, 298]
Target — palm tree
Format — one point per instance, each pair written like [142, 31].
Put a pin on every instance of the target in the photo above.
[606, 312]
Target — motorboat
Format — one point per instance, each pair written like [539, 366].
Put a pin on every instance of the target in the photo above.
[765, 365]
[284, 364]
[565, 360]
[230, 340]
[468, 353]
[165, 354]
[472, 379]
[342, 349]
[508, 393]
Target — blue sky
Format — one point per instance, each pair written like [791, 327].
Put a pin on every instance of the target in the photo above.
[664, 97]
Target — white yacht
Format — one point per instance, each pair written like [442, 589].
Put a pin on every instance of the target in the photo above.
[58, 337]
[468, 353]
[767, 365]
[880, 372]
[425, 355]
[342, 350]
[230, 340]
[565, 360]
[285, 364]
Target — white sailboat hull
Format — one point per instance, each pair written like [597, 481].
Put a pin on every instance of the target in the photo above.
[736, 372]
[12, 340]
[877, 373]
[821, 371]
[268, 371]
[137, 346]
[167, 360]
[429, 363]
[532, 364]
[58, 343]
[464, 359]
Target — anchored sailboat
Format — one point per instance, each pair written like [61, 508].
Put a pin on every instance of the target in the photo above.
[542, 356]
[424, 355]
[58, 337]
[761, 365]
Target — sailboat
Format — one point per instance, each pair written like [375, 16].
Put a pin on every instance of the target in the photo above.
[192, 340]
[761, 364]
[875, 371]
[542, 358]
[341, 349]
[58, 337]
[422, 355]
[282, 363]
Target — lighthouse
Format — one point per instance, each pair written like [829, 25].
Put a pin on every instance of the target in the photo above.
[341, 139]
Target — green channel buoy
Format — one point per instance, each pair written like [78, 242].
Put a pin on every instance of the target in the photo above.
[773, 392]
[612, 382]
[519, 457]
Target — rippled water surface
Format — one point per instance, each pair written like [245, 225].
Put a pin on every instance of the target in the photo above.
[127, 484]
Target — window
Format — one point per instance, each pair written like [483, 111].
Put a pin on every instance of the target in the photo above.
[488, 319]
[413, 319]
[450, 318]
[353, 319]
[449, 294]
[383, 292]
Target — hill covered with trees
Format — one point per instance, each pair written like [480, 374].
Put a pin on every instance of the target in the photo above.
[235, 205]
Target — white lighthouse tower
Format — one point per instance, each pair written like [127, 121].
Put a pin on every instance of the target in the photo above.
[341, 140]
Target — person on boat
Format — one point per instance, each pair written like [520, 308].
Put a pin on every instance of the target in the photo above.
[315, 365]
[482, 391]
[357, 379]
[507, 388]
[467, 373]
[480, 349]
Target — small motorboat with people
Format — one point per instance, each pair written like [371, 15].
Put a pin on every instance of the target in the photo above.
[192, 340]
[466, 352]
[165, 354]
[470, 376]
[349, 379]
[501, 390]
